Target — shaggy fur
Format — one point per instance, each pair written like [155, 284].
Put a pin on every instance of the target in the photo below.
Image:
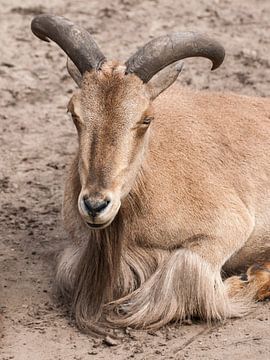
[167, 294]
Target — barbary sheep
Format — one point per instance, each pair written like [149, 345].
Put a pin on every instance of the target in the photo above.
[168, 191]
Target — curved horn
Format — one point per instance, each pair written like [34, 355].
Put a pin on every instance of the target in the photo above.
[74, 40]
[164, 50]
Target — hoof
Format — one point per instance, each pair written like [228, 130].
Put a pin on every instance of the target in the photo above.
[260, 276]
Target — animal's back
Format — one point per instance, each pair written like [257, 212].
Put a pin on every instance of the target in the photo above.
[224, 126]
[214, 136]
[208, 154]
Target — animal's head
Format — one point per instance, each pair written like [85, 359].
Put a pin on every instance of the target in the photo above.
[112, 110]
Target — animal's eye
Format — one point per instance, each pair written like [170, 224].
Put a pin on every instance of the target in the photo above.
[147, 120]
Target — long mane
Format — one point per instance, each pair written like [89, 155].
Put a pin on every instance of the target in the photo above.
[96, 274]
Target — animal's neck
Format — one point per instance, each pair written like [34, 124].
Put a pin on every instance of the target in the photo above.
[132, 204]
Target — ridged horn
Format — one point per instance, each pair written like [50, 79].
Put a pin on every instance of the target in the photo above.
[74, 40]
[165, 50]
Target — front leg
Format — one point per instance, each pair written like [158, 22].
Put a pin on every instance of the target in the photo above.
[183, 287]
[186, 284]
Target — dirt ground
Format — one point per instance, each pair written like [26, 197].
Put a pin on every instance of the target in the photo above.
[37, 141]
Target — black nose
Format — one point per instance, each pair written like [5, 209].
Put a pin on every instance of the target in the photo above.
[94, 207]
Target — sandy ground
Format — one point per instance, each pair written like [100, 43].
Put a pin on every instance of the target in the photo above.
[37, 141]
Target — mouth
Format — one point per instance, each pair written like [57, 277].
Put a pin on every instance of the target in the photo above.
[101, 220]
[98, 226]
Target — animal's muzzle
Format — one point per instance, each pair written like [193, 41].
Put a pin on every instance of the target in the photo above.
[94, 207]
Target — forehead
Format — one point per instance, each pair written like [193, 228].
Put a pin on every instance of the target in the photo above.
[110, 91]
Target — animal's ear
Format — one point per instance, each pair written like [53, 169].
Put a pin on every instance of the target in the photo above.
[164, 78]
[74, 72]
[70, 106]
[74, 104]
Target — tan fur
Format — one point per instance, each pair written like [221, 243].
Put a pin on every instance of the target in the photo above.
[195, 200]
